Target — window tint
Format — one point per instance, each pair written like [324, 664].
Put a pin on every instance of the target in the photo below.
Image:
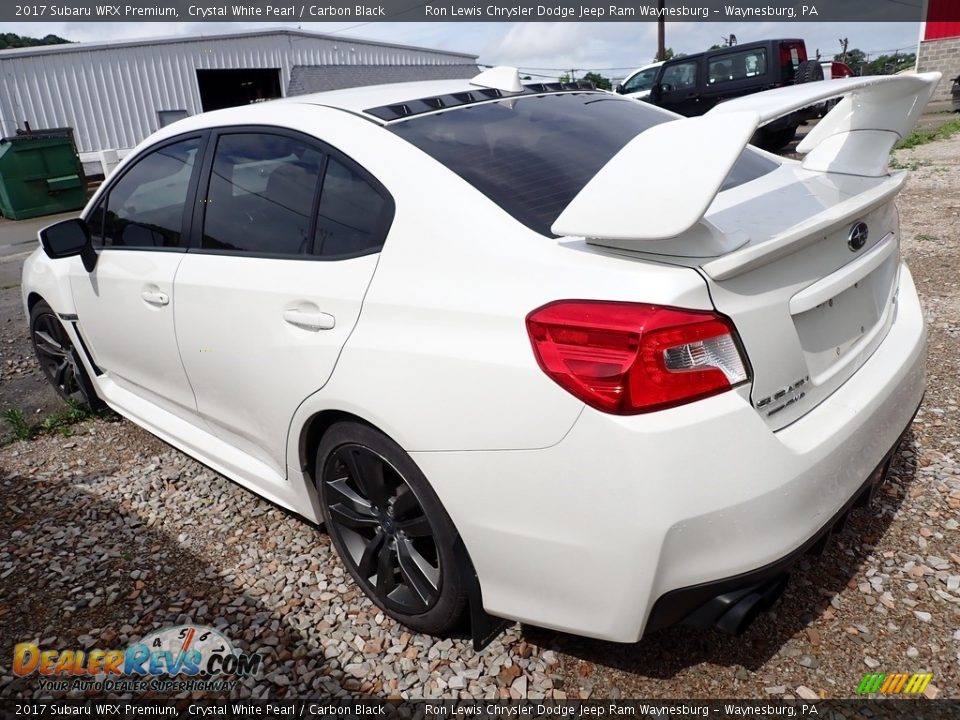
[261, 194]
[145, 207]
[641, 81]
[351, 210]
[738, 66]
[532, 155]
[680, 76]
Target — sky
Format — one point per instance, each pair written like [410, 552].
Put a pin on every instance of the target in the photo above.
[541, 48]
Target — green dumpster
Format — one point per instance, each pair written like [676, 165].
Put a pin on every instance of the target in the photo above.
[39, 175]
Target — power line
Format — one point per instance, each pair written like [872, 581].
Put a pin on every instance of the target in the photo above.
[880, 52]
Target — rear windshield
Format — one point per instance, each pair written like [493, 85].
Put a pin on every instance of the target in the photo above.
[532, 155]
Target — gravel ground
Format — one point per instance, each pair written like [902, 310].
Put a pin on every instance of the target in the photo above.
[110, 533]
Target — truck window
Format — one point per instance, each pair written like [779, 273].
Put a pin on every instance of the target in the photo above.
[737, 66]
[680, 76]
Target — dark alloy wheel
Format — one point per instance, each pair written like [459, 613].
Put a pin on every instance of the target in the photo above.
[57, 356]
[389, 528]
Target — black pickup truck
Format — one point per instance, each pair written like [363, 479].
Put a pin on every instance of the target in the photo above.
[693, 84]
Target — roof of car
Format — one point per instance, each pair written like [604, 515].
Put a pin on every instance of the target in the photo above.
[383, 103]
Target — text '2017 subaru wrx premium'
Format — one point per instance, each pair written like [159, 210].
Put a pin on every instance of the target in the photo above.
[534, 352]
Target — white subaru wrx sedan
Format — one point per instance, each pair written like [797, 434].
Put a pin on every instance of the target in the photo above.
[535, 352]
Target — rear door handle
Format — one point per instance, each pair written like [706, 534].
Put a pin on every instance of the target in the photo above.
[307, 320]
[155, 297]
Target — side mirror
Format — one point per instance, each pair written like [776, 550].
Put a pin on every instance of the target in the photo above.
[619, 89]
[68, 238]
[666, 87]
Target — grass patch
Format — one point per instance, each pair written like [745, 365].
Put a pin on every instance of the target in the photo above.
[22, 430]
[60, 422]
[914, 165]
[922, 137]
[927, 238]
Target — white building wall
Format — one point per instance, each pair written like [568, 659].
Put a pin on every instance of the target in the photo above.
[111, 93]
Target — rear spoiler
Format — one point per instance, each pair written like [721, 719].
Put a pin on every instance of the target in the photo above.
[663, 181]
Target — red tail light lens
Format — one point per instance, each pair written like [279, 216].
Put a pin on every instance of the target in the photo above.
[628, 358]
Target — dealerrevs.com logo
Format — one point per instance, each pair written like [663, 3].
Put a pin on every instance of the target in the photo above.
[203, 659]
[894, 683]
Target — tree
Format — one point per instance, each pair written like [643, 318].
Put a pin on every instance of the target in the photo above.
[855, 58]
[12, 40]
[598, 80]
[890, 64]
[669, 54]
[881, 65]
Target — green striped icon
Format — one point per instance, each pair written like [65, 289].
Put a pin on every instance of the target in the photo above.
[894, 683]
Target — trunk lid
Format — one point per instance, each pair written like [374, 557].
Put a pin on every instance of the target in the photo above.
[811, 299]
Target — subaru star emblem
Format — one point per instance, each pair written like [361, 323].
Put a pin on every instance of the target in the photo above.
[858, 236]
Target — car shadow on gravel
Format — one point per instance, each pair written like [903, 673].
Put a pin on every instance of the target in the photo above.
[813, 584]
[88, 573]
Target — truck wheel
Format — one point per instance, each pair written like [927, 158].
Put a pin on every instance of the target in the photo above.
[808, 71]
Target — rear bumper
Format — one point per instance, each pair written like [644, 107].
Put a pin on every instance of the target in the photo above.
[587, 535]
[728, 603]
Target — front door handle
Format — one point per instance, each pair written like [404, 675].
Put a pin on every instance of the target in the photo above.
[307, 320]
[155, 297]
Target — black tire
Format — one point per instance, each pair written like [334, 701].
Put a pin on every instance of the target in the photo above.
[808, 71]
[382, 514]
[59, 359]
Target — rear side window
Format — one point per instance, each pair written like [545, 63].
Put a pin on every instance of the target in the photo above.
[351, 214]
[261, 195]
[737, 66]
[532, 155]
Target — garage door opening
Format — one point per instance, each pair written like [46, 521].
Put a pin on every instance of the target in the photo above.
[228, 88]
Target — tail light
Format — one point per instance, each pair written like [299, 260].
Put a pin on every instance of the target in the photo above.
[628, 358]
[788, 62]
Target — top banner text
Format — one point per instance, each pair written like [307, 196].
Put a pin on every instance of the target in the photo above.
[477, 11]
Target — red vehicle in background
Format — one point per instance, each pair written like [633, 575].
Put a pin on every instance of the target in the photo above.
[833, 70]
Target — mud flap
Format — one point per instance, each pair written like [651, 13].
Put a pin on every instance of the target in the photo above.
[484, 628]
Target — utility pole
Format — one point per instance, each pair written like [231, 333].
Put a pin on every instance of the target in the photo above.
[843, 44]
[661, 31]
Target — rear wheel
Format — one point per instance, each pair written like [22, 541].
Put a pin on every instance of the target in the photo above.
[389, 528]
[59, 359]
